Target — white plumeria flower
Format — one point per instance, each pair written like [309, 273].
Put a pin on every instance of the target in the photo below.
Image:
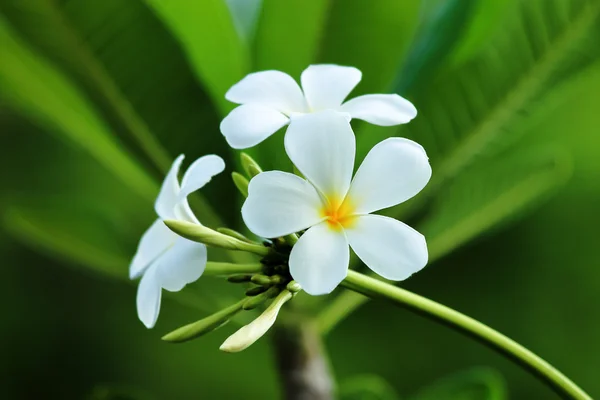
[335, 208]
[164, 259]
[270, 98]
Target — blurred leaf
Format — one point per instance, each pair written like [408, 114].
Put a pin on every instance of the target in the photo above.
[442, 27]
[475, 384]
[288, 34]
[367, 387]
[373, 39]
[102, 45]
[491, 194]
[471, 110]
[35, 88]
[245, 16]
[118, 392]
[485, 24]
[73, 231]
[207, 33]
[43, 22]
[58, 230]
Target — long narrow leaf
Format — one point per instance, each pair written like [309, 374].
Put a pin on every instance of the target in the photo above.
[289, 34]
[37, 89]
[207, 33]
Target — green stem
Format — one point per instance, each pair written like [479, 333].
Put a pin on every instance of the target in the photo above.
[222, 268]
[377, 289]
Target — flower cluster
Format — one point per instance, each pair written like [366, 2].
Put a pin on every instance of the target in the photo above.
[308, 220]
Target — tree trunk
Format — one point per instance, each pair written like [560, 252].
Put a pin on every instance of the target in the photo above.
[301, 362]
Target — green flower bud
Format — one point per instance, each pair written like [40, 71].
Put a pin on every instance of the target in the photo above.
[250, 166]
[210, 237]
[261, 280]
[241, 278]
[204, 326]
[294, 287]
[255, 290]
[240, 182]
[234, 234]
[255, 301]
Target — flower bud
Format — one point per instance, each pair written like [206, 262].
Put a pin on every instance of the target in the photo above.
[204, 326]
[234, 234]
[255, 290]
[255, 301]
[210, 237]
[294, 287]
[261, 280]
[250, 333]
[250, 166]
[240, 182]
[240, 278]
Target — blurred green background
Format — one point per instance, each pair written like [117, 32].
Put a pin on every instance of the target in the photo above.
[98, 96]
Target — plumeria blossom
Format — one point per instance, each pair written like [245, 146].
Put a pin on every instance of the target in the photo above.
[272, 99]
[165, 260]
[336, 209]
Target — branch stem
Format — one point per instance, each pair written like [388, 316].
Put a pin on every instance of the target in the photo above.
[375, 288]
[301, 361]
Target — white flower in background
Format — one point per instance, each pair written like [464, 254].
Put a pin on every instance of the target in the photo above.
[335, 208]
[164, 259]
[269, 99]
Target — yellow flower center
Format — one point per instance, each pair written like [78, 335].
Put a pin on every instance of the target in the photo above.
[339, 215]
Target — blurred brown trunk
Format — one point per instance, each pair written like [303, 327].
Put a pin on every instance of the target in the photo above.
[302, 363]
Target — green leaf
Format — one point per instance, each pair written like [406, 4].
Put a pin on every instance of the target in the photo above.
[288, 34]
[206, 31]
[472, 110]
[367, 387]
[47, 25]
[245, 17]
[118, 392]
[440, 30]
[35, 88]
[59, 230]
[491, 194]
[475, 384]
[483, 27]
[373, 39]
[98, 246]
[103, 46]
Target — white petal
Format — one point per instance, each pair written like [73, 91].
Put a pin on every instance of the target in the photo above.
[155, 241]
[200, 173]
[184, 263]
[148, 298]
[389, 247]
[280, 203]
[395, 170]
[327, 85]
[322, 147]
[169, 192]
[250, 124]
[319, 260]
[273, 89]
[381, 109]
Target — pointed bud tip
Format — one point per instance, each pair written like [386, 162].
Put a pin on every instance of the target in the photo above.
[250, 166]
